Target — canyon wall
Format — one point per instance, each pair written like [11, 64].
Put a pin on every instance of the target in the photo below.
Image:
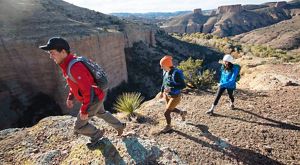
[31, 84]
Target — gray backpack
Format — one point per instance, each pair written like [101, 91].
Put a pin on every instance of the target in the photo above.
[97, 72]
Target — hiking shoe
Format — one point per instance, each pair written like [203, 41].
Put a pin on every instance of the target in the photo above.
[183, 115]
[167, 129]
[97, 137]
[231, 106]
[210, 111]
[120, 130]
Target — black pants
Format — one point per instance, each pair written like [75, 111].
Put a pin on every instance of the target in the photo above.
[220, 92]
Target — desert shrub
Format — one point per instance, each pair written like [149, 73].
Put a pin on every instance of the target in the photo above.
[228, 46]
[206, 80]
[192, 71]
[128, 102]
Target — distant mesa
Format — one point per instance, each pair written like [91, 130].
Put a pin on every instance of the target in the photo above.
[279, 4]
[213, 12]
[230, 8]
[198, 11]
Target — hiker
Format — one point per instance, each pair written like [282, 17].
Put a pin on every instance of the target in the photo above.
[173, 82]
[229, 73]
[84, 90]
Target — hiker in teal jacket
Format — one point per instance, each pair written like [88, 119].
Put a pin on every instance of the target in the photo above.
[229, 73]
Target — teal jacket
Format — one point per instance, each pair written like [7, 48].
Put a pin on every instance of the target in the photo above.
[228, 78]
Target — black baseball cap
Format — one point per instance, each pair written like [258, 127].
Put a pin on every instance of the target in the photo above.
[56, 43]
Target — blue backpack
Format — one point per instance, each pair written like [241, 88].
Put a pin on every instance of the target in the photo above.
[96, 71]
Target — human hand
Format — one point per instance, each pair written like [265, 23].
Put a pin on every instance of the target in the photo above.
[84, 116]
[69, 104]
[167, 90]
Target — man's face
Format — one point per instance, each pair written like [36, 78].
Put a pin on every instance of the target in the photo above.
[57, 57]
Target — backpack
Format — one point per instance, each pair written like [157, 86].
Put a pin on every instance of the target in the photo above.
[238, 77]
[99, 75]
[173, 75]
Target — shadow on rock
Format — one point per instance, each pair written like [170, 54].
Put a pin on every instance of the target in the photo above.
[246, 156]
[139, 153]
[274, 123]
[109, 151]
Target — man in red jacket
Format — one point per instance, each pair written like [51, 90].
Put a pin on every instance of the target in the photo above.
[84, 90]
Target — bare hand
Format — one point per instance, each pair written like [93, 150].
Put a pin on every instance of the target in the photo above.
[167, 90]
[159, 95]
[69, 104]
[84, 116]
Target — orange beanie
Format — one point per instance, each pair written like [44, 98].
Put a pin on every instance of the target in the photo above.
[166, 61]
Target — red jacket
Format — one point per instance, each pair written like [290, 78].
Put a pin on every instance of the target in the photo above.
[84, 90]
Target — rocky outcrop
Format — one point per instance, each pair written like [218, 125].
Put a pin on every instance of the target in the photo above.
[209, 25]
[189, 23]
[52, 141]
[230, 8]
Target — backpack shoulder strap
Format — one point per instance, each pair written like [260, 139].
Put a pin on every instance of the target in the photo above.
[72, 62]
[237, 66]
[174, 72]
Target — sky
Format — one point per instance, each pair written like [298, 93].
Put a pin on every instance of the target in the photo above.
[143, 6]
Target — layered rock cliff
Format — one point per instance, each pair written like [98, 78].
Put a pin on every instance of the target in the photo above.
[232, 19]
[27, 72]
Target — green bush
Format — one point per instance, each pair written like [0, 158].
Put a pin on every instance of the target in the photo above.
[128, 102]
[192, 72]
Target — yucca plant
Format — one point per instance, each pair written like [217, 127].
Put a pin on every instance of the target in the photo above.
[128, 103]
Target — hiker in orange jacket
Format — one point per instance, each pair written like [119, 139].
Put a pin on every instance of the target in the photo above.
[84, 90]
[173, 82]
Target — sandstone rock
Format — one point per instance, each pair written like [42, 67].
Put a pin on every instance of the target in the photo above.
[198, 11]
[230, 8]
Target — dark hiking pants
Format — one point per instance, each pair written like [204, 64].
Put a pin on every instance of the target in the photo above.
[220, 92]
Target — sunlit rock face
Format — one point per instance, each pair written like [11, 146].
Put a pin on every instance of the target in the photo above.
[232, 20]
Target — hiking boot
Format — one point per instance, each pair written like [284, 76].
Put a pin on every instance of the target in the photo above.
[120, 130]
[75, 133]
[167, 129]
[183, 115]
[97, 137]
[211, 110]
